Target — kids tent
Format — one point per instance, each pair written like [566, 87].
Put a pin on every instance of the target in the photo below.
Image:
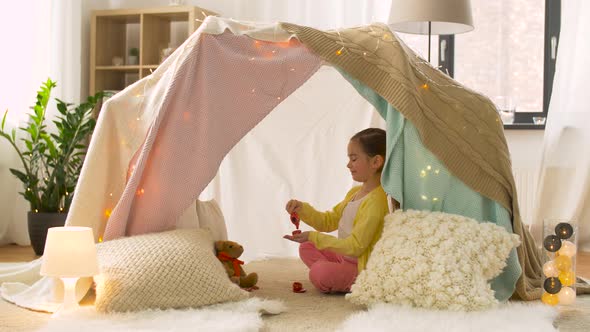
[161, 141]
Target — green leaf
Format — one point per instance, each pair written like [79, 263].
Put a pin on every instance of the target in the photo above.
[50, 145]
[20, 175]
[5, 135]
[4, 120]
[29, 144]
[61, 106]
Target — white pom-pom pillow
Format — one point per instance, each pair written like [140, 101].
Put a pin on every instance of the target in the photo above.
[174, 269]
[434, 260]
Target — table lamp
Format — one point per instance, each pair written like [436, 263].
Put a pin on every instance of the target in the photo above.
[70, 253]
[432, 17]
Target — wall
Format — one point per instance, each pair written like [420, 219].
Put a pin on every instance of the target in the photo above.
[525, 147]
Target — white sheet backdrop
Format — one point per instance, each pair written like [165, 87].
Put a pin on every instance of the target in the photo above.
[297, 151]
[564, 183]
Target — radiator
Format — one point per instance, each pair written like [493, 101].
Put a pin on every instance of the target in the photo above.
[526, 189]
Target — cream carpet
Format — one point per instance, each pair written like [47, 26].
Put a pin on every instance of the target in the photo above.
[310, 311]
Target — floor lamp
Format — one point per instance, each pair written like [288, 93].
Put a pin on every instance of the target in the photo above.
[431, 17]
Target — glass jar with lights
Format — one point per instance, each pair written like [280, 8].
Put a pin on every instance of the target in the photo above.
[559, 272]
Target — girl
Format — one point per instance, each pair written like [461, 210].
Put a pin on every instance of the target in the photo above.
[334, 262]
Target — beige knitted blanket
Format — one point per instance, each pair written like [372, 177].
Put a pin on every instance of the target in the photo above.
[459, 126]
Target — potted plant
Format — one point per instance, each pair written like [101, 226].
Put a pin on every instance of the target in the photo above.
[133, 57]
[51, 162]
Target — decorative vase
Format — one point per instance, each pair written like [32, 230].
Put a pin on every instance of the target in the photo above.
[38, 224]
[560, 241]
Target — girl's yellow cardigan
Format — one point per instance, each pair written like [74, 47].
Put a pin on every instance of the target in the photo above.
[367, 225]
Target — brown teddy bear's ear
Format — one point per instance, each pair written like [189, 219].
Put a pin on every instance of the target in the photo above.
[219, 245]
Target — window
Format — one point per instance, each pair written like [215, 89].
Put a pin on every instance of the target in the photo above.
[511, 53]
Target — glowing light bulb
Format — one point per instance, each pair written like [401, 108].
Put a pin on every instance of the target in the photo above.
[429, 167]
[563, 263]
[422, 173]
[566, 295]
[36, 210]
[424, 197]
[550, 270]
[567, 278]
[107, 213]
[339, 52]
[424, 86]
[567, 249]
[550, 299]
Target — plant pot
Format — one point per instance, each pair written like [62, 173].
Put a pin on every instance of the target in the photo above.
[132, 60]
[39, 223]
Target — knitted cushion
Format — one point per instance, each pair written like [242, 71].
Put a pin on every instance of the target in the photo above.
[434, 260]
[211, 218]
[173, 269]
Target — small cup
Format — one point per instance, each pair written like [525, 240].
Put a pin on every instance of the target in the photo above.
[506, 108]
[539, 120]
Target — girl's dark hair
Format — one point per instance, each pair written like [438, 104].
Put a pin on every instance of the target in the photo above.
[372, 141]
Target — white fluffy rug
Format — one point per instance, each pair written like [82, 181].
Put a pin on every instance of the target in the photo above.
[238, 316]
[515, 317]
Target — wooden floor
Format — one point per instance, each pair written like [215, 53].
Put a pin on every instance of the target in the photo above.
[13, 253]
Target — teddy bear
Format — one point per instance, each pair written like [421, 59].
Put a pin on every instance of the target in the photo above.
[228, 253]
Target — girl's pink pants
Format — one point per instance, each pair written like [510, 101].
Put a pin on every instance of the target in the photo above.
[328, 271]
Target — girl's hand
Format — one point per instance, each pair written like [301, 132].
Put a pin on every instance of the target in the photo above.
[301, 237]
[293, 206]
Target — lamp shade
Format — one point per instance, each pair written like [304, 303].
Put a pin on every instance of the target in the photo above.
[447, 16]
[69, 252]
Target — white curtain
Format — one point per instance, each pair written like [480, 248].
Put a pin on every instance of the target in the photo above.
[564, 183]
[65, 50]
[49, 44]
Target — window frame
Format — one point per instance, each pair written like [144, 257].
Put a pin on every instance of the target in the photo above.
[522, 120]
